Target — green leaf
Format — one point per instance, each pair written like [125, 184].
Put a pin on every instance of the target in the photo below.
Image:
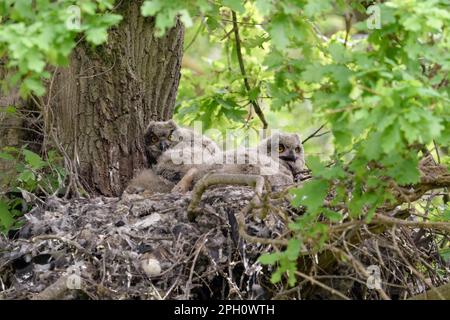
[315, 7]
[6, 219]
[35, 62]
[33, 159]
[33, 85]
[391, 138]
[445, 254]
[6, 156]
[293, 249]
[150, 8]
[185, 17]
[212, 23]
[403, 170]
[339, 52]
[333, 216]
[276, 276]
[264, 6]
[311, 194]
[26, 176]
[434, 23]
[269, 258]
[236, 5]
[372, 146]
[11, 110]
[319, 170]
[278, 32]
[313, 73]
[316, 166]
[97, 35]
[412, 23]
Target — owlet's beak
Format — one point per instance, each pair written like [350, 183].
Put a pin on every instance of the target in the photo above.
[288, 156]
[163, 145]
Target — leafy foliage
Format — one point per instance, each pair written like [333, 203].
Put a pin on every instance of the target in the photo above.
[383, 93]
[29, 172]
[36, 33]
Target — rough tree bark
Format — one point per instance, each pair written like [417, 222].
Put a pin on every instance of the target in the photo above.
[104, 100]
[100, 104]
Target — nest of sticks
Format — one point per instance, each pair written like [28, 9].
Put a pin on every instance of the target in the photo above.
[147, 248]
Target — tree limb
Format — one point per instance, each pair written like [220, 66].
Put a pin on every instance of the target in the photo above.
[237, 38]
[217, 179]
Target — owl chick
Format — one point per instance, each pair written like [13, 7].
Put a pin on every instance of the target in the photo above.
[287, 148]
[161, 136]
[170, 151]
[148, 183]
[278, 159]
[177, 150]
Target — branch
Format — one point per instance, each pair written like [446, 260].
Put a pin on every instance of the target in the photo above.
[348, 25]
[322, 285]
[218, 179]
[244, 74]
[312, 135]
[434, 294]
[433, 176]
[390, 221]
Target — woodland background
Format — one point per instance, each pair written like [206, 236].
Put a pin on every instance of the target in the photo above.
[372, 76]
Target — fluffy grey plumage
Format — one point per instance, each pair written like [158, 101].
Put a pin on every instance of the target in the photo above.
[178, 149]
[149, 183]
[171, 151]
[287, 148]
[278, 158]
[161, 136]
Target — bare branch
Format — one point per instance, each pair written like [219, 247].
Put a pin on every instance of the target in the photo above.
[244, 74]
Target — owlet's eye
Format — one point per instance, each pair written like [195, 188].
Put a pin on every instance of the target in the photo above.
[280, 148]
[154, 139]
[297, 150]
[170, 137]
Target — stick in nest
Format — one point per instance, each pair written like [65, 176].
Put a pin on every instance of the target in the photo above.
[220, 179]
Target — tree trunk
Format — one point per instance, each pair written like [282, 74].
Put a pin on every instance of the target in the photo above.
[103, 101]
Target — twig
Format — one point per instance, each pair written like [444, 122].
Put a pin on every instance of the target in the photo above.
[62, 239]
[244, 235]
[218, 179]
[412, 269]
[358, 267]
[200, 27]
[197, 252]
[244, 74]
[314, 134]
[348, 25]
[322, 285]
[418, 224]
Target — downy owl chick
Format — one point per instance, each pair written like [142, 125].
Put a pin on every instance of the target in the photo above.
[177, 149]
[170, 151]
[287, 148]
[148, 183]
[278, 158]
[161, 136]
